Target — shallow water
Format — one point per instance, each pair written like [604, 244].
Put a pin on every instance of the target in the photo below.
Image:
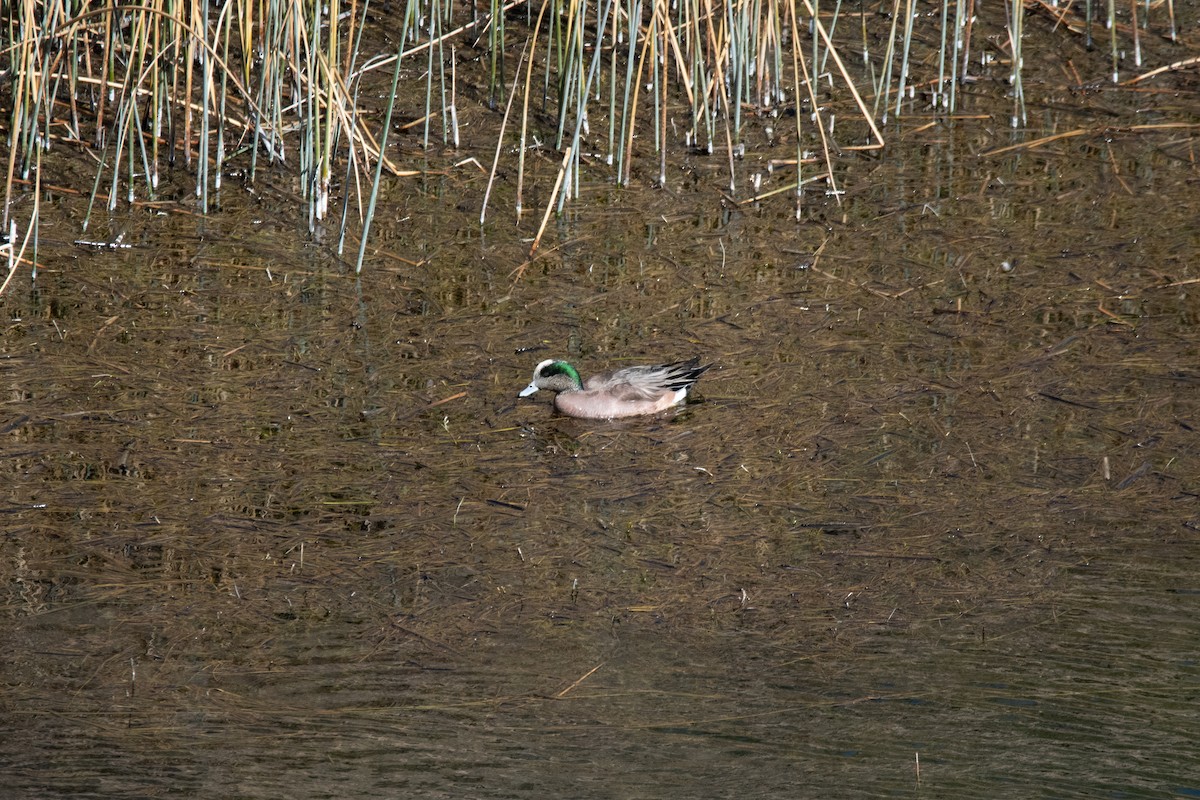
[929, 526]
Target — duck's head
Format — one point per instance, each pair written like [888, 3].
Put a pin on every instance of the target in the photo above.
[556, 376]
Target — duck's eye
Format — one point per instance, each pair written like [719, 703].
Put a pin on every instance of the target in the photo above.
[550, 370]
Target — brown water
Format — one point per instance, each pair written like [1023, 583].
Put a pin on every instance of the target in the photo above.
[930, 528]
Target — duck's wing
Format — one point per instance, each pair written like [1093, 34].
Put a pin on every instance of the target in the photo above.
[627, 385]
[635, 393]
[647, 383]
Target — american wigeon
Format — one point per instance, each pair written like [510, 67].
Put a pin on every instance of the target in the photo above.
[625, 393]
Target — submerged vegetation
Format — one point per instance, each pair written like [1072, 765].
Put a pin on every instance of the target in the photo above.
[224, 89]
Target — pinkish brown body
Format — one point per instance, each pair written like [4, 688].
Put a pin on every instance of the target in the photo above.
[628, 392]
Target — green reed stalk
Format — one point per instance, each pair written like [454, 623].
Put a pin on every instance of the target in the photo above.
[1137, 42]
[454, 98]
[796, 84]
[633, 9]
[122, 135]
[115, 142]
[487, 192]
[208, 105]
[174, 34]
[328, 86]
[32, 231]
[195, 47]
[246, 13]
[909, 13]
[444, 113]
[134, 139]
[821, 129]
[956, 56]
[739, 43]
[434, 22]
[87, 216]
[312, 108]
[614, 27]
[266, 75]
[571, 179]
[762, 66]
[661, 93]
[496, 40]
[140, 140]
[155, 99]
[862, 19]
[715, 77]
[687, 24]
[349, 178]
[1112, 39]
[657, 56]
[822, 66]
[521, 142]
[816, 37]
[555, 48]
[778, 46]
[358, 25]
[630, 123]
[964, 41]
[22, 106]
[71, 57]
[383, 137]
[939, 92]
[27, 106]
[883, 89]
[707, 54]
[223, 95]
[569, 76]
[1017, 34]
[108, 57]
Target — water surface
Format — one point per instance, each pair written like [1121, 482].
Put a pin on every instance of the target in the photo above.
[928, 528]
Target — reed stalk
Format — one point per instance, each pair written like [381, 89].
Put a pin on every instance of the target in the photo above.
[207, 84]
[1112, 40]
[383, 137]
[1016, 39]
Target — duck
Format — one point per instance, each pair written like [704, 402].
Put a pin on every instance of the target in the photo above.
[628, 392]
